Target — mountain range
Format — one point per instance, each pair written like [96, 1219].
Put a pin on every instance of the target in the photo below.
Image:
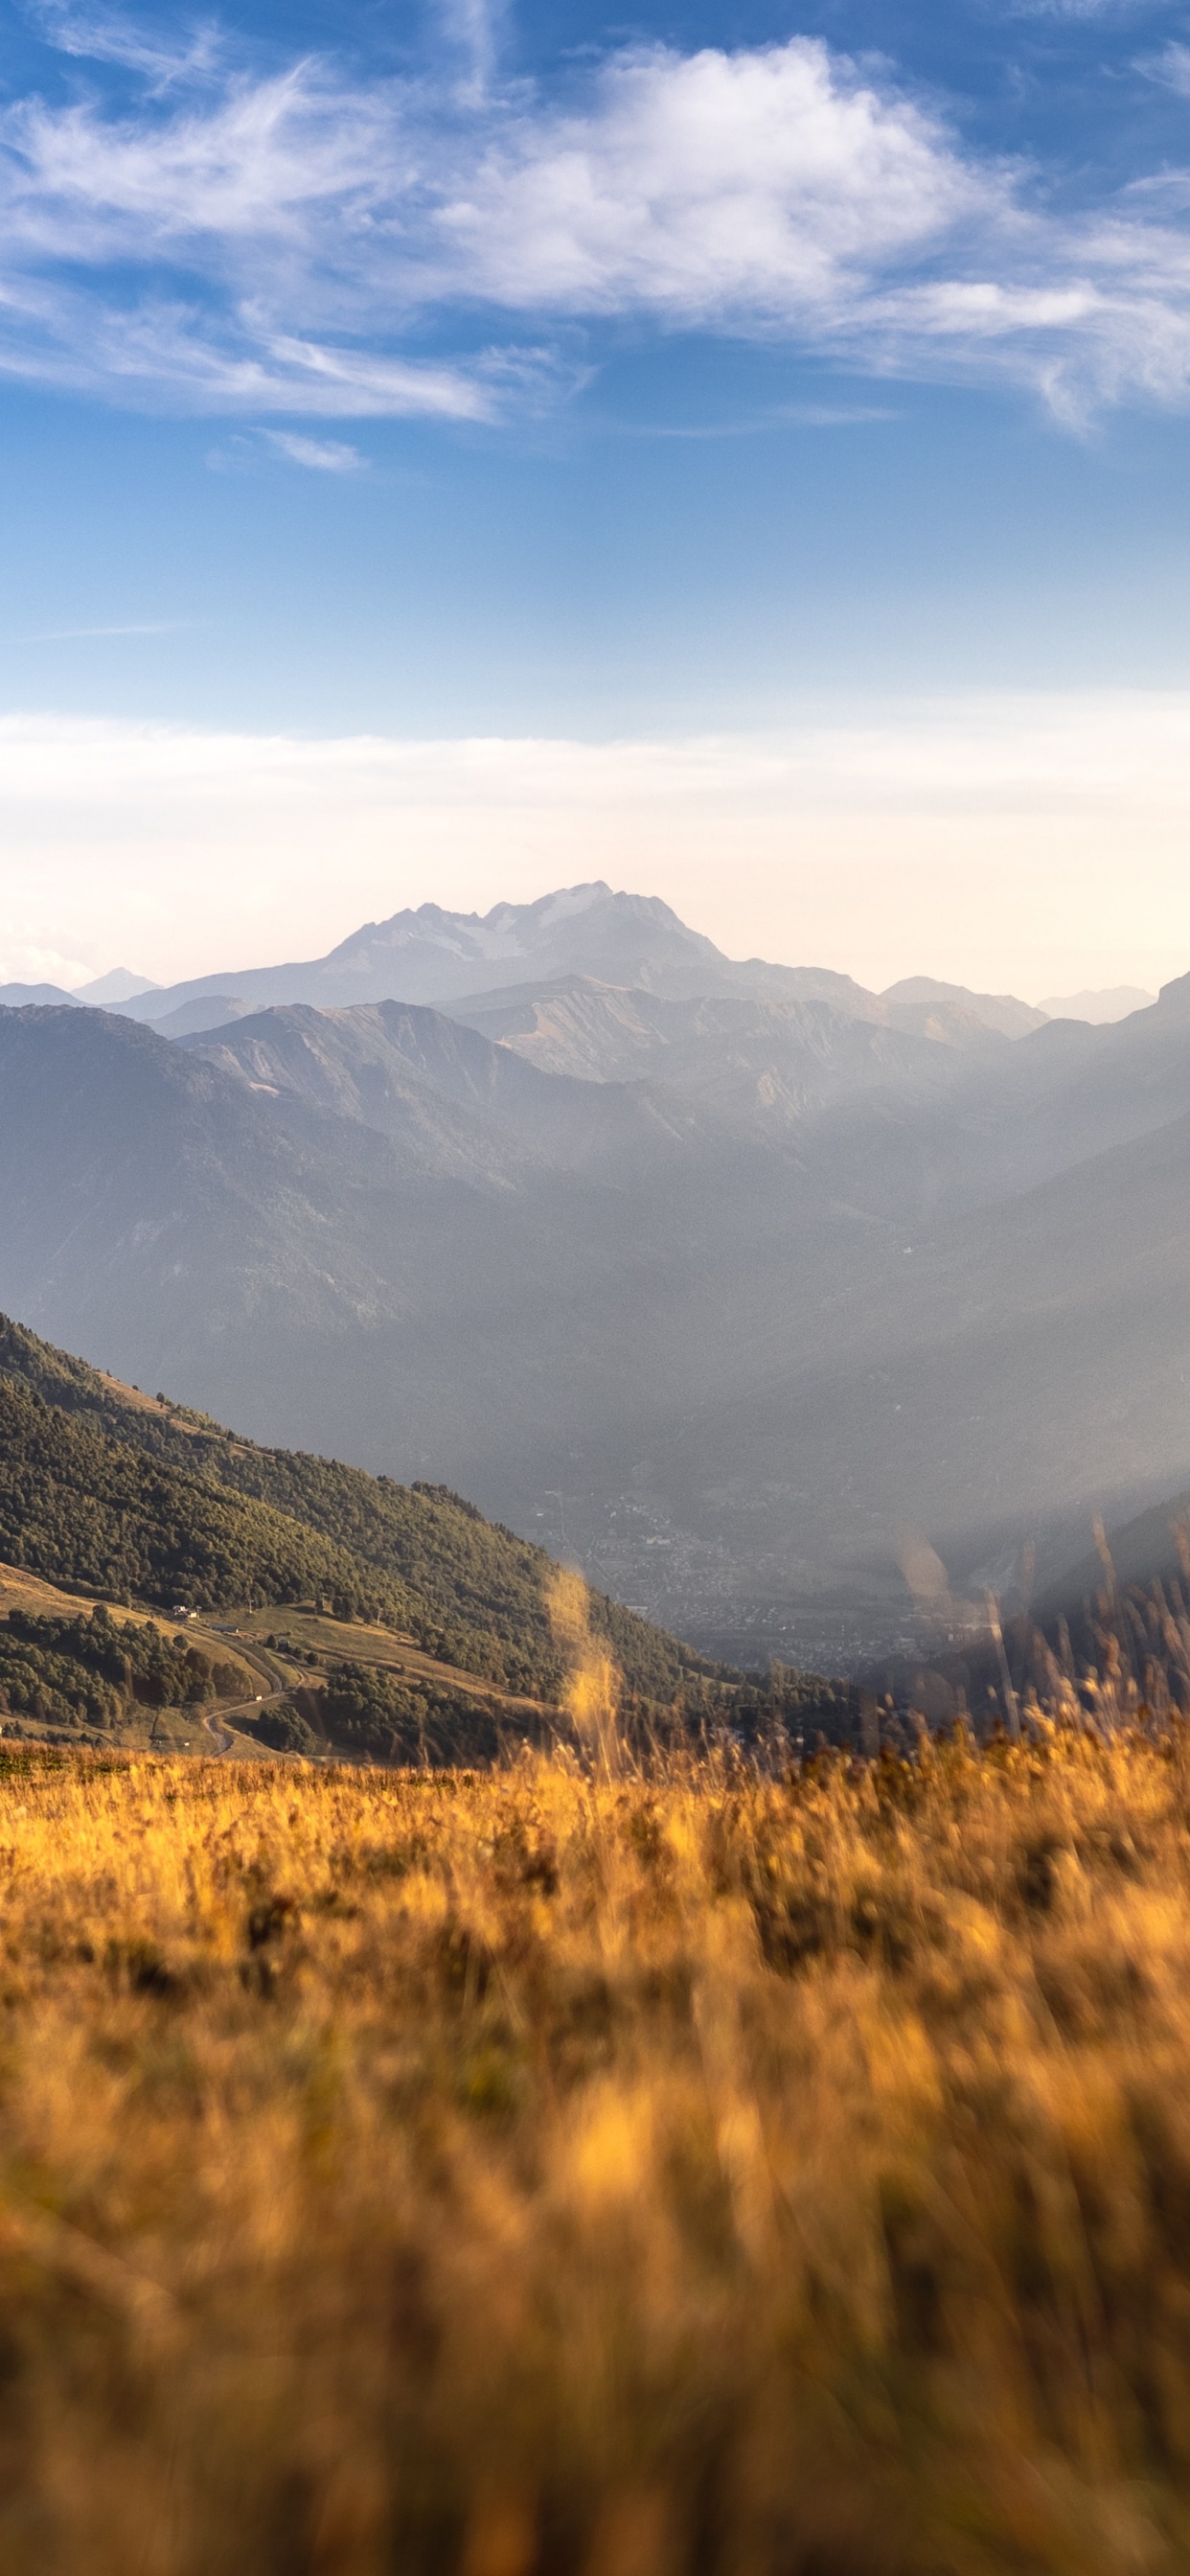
[734, 1279]
[632, 942]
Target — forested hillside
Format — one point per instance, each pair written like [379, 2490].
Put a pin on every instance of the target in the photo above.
[93, 1670]
[121, 1493]
[85, 1509]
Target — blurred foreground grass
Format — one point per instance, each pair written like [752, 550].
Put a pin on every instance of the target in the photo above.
[524, 2174]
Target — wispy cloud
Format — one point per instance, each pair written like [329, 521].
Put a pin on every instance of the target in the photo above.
[321, 455]
[476, 27]
[1171, 67]
[1078, 11]
[24, 960]
[804, 415]
[232, 243]
[107, 37]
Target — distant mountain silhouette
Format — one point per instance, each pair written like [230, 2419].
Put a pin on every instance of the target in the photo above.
[205, 1011]
[106, 992]
[16, 997]
[1114, 1002]
[430, 955]
[951, 1013]
[625, 941]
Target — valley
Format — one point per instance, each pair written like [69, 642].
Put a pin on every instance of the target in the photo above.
[732, 1279]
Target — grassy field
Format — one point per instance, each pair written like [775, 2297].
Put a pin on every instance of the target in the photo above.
[552, 2171]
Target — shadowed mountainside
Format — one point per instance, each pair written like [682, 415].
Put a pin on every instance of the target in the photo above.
[105, 1487]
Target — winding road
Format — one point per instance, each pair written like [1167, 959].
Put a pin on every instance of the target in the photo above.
[215, 1722]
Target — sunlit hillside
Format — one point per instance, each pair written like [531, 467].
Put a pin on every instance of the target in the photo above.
[550, 2171]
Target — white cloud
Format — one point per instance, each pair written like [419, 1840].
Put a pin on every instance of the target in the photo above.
[714, 186]
[23, 961]
[1033, 843]
[109, 38]
[353, 384]
[229, 362]
[256, 163]
[476, 28]
[290, 238]
[1171, 67]
[322, 455]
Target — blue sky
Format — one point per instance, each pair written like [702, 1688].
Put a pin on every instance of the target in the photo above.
[514, 371]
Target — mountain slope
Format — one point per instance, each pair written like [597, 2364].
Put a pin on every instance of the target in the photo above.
[729, 1055]
[924, 1008]
[1062, 1095]
[1148, 1548]
[133, 1174]
[106, 992]
[691, 1077]
[102, 1486]
[15, 997]
[1023, 1365]
[1111, 1002]
[301, 1272]
[82, 1508]
[408, 1072]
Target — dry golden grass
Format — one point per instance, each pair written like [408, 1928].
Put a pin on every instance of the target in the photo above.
[536, 2173]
